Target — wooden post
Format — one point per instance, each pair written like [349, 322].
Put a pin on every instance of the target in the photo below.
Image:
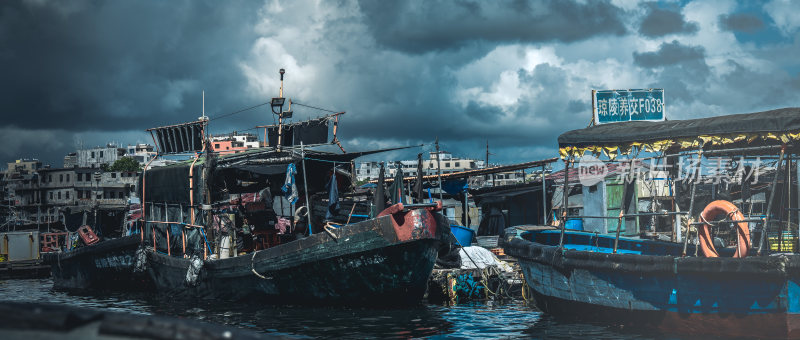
[305, 186]
[691, 202]
[544, 198]
[622, 210]
[565, 203]
[771, 199]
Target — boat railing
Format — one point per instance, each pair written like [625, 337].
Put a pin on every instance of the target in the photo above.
[206, 248]
[764, 219]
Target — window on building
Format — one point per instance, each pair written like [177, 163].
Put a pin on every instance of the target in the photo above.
[80, 194]
[101, 154]
[49, 178]
[51, 195]
[113, 175]
[67, 178]
[216, 145]
[92, 155]
[447, 164]
[67, 193]
[61, 178]
[59, 195]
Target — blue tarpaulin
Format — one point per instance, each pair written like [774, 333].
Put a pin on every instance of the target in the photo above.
[455, 186]
[289, 187]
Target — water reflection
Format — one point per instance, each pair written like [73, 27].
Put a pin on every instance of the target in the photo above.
[513, 319]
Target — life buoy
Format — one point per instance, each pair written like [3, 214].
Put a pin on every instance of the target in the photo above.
[730, 210]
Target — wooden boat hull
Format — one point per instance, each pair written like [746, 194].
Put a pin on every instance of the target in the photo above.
[382, 260]
[105, 265]
[752, 297]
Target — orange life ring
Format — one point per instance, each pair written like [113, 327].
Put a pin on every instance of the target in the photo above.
[730, 210]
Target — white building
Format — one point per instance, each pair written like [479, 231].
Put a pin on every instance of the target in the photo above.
[449, 164]
[142, 153]
[95, 157]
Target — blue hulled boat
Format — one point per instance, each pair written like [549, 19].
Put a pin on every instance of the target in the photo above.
[712, 277]
[649, 284]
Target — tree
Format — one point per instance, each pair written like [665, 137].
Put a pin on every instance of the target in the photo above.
[125, 164]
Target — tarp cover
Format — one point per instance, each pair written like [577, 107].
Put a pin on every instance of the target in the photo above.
[776, 121]
[309, 132]
[479, 258]
[171, 184]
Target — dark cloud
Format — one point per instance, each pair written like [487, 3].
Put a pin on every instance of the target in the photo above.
[106, 70]
[108, 65]
[660, 21]
[83, 66]
[680, 70]
[669, 54]
[752, 90]
[741, 22]
[419, 27]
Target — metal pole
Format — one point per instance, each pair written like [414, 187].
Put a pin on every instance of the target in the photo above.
[797, 178]
[305, 186]
[439, 169]
[544, 198]
[622, 210]
[771, 198]
[619, 226]
[691, 203]
[565, 203]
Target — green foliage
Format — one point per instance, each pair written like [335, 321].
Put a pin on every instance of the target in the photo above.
[125, 164]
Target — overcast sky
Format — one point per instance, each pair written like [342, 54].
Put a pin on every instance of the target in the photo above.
[515, 73]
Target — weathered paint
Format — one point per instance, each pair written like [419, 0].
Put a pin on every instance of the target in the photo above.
[757, 297]
[386, 259]
[107, 265]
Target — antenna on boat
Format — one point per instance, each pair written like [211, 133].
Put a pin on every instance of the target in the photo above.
[278, 103]
[203, 117]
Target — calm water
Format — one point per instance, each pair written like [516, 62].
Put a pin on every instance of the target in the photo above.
[479, 320]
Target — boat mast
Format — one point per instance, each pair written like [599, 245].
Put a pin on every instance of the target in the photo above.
[278, 103]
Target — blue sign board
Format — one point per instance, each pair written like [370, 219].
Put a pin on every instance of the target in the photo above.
[613, 106]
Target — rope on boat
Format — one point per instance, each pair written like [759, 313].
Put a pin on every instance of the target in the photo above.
[327, 229]
[525, 289]
[253, 267]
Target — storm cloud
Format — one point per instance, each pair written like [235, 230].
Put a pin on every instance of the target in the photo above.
[669, 54]
[513, 73]
[741, 22]
[418, 27]
[662, 21]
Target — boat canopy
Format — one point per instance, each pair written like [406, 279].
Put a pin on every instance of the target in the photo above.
[238, 173]
[774, 127]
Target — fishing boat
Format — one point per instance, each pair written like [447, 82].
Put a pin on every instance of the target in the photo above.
[109, 264]
[214, 230]
[736, 277]
[100, 263]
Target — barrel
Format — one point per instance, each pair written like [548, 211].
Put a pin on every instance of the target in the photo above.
[575, 224]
